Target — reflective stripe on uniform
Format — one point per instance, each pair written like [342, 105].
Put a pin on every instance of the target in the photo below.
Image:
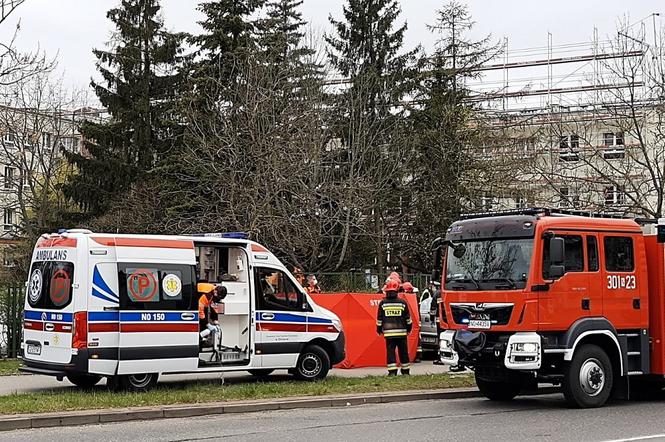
[406, 366]
[393, 333]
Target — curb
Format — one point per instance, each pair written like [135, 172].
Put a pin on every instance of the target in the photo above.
[46, 420]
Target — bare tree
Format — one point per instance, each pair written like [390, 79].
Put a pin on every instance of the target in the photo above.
[610, 155]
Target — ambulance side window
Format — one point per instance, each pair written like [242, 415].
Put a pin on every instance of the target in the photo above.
[50, 284]
[276, 292]
[157, 287]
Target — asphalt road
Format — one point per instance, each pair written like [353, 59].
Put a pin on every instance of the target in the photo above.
[543, 418]
[35, 383]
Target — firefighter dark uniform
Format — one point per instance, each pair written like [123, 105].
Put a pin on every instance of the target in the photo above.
[394, 323]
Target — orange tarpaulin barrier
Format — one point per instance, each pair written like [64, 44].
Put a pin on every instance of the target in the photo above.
[357, 311]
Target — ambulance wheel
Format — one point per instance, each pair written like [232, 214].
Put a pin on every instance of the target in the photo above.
[261, 372]
[498, 390]
[139, 382]
[313, 364]
[85, 381]
[588, 378]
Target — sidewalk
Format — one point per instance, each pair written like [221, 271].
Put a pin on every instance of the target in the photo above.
[35, 383]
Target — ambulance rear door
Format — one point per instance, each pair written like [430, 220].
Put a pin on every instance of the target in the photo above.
[52, 297]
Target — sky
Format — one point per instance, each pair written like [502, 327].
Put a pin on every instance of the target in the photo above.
[69, 29]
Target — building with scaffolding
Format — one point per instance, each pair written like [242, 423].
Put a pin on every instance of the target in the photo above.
[582, 122]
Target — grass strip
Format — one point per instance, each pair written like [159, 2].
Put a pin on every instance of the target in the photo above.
[213, 391]
[9, 367]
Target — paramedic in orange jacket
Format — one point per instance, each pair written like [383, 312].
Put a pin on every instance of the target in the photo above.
[208, 317]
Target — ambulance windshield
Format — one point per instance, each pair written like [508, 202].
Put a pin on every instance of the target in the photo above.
[493, 264]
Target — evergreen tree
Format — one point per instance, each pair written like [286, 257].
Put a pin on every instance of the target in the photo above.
[445, 129]
[229, 35]
[139, 89]
[367, 48]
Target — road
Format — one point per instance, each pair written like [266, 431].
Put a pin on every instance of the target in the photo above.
[32, 383]
[543, 418]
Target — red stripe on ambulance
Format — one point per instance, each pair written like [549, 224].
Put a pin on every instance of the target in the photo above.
[273, 326]
[103, 327]
[159, 327]
[151, 243]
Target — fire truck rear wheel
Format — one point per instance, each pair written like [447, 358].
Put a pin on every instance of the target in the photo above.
[588, 378]
[139, 382]
[313, 364]
[498, 390]
[85, 381]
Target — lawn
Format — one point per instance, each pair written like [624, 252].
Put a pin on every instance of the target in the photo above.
[8, 367]
[210, 391]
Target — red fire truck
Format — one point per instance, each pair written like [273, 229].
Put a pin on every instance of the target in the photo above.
[542, 296]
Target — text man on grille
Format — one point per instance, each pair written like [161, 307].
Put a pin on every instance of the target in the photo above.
[394, 323]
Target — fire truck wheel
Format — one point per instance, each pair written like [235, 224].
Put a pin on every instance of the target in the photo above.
[313, 364]
[139, 382]
[498, 390]
[261, 373]
[588, 378]
[85, 381]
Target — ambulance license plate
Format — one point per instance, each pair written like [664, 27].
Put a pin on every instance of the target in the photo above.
[34, 349]
[478, 323]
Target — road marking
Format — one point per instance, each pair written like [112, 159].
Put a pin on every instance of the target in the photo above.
[652, 436]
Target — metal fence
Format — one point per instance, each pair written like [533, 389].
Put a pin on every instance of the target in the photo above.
[360, 282]
[11, 317]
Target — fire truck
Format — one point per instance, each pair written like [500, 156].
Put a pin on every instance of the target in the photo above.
[557, 297]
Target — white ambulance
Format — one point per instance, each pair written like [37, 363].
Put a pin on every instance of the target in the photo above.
[125, 307]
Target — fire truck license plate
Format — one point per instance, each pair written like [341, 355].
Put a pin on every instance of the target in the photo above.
[478, 323]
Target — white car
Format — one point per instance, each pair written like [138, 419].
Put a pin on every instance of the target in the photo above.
[428, 337]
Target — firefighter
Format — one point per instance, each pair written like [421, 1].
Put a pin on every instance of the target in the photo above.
[407, 288]
[394, 323]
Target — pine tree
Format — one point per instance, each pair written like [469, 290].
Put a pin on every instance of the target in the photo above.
[139, 89]
[445, 128]
[367, 48]
[229, 34]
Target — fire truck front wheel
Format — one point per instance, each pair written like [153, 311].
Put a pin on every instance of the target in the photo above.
[498, 390]
[588, 377]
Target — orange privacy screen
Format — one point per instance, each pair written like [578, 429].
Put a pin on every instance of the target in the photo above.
[364, 347]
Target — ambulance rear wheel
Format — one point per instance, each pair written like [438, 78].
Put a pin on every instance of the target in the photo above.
[85, 381]
[261, 372]
[139, 382]
[313, 364]
[588, 378]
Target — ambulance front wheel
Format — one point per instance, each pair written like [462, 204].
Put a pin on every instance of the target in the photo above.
[85, 381]
[313, 364]
[138, 382]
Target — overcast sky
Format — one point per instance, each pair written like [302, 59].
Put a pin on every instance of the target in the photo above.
[71, 28]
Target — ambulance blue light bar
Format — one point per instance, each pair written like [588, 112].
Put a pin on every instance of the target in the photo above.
[227, 235]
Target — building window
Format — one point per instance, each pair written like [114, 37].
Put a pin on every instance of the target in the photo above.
[9, 219]
[8, 138]
[615, 195]
[569, 147]
[613, 139]
[488, 202]
[568, 199]
[47, 140]
[9, 177]
[614, 146]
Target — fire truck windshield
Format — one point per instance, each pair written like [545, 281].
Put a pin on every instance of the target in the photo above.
[493, 264]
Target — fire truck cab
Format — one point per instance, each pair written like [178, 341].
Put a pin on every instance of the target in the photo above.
[542, 296]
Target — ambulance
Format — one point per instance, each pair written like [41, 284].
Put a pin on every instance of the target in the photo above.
[125, 307]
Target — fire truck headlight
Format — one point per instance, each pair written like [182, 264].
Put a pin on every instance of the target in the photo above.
[525, 347]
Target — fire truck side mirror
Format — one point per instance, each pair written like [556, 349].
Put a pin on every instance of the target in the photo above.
[660, 236]
[437, 248]
[557, 254]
